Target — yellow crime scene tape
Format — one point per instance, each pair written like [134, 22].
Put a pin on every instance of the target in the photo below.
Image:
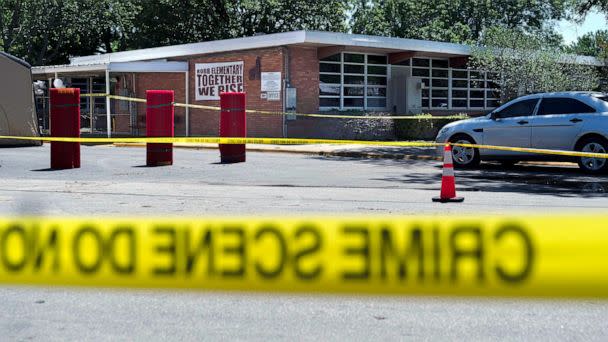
[455, 256]
[290, 141]
[316, 115]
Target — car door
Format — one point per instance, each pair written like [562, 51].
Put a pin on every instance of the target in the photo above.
[558, 122]
[510, 127]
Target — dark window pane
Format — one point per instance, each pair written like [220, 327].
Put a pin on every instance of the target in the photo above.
[420, 62]
[492, 84]
[378, 70]
[459, 103]
[551, 106]
[420, 72]
[476, 94]
[476, 103]
[460, 84]
[493, 94]
[353, 102]
[440, 83]
[440, 93]
[492, 103]
[460, 93]
[354, 69]
[373, 59]
[329, 90]
[373, 91]
[329, 102]
[440, 73]
[354, 58]
[326, 67]
[378, 103]
[521, 108]
[440, 103]
[477, 84]
[426, 82]
[476, 75]
[329, 78]
[425, 103]
[354, 91]
[459, 74]
[425, 92]
[354, 80]
[376, 80]
[438, 63]
[333, 58]
[405, 62]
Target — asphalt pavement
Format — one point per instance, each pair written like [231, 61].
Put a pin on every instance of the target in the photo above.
[115, 181]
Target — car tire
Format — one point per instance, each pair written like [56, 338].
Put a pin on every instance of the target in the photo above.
[464, 157]
[593, 145]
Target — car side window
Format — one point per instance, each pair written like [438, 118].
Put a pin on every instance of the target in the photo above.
[559, 105]
[521, 108]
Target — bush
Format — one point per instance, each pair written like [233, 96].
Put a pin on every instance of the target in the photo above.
[424, 128]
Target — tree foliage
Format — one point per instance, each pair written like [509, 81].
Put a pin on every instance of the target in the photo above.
[458, 21]
[526, 64]
[591, 44]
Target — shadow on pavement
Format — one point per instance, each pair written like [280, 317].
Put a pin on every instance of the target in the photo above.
[561, 180]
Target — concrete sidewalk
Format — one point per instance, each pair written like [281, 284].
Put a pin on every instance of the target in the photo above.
[348, 151]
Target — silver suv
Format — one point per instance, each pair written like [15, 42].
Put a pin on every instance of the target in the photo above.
[572, 121]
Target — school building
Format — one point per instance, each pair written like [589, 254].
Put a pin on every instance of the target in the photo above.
[301, 71]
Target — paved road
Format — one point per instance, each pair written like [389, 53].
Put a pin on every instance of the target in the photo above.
[112, 181]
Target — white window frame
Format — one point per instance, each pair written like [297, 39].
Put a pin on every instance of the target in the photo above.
[365, 86]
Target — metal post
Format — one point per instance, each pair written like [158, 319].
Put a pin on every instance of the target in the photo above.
[187, 76]
[108, 116]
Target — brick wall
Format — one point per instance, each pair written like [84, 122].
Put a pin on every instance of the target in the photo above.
[206, 122]
[161, 81]
[304, 76]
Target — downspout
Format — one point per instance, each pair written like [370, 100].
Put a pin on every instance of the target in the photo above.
[286, 83]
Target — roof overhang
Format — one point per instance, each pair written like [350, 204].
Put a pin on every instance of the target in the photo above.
[129, 67]
[317, 39]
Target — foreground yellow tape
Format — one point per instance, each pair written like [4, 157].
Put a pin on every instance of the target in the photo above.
[464, 256]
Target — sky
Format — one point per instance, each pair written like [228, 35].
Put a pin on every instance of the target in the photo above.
[571, 30]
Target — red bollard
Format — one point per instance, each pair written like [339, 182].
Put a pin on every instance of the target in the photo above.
[160, 123]
[233, 123]
[65, 122]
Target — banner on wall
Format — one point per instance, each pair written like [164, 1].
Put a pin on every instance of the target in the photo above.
[215, 78]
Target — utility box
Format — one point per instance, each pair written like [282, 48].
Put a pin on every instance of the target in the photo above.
[413, 96]
[291, 102]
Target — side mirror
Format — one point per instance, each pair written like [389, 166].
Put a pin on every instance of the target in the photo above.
[494, 116]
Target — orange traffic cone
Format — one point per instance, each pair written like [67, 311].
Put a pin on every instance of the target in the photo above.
[448, 181]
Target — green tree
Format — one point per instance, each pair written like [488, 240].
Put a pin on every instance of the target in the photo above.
[50, 31]
[459, 21]
[170, 22]
[525, 64]
[591, 44]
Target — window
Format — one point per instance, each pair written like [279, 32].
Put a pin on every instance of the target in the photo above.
[472, 89]
[550, 106]
[521, 108]
[353, 80]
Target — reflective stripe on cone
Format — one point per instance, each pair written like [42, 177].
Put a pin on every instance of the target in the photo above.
[448, 179]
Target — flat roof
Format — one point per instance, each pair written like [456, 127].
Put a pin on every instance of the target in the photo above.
[307, 38]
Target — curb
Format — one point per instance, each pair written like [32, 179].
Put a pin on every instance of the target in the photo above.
[344, 154]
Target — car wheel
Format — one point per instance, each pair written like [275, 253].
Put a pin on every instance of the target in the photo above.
[593, 145]
[464, 157]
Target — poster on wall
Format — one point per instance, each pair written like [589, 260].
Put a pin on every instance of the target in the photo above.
[215, 78]
[271, 86]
